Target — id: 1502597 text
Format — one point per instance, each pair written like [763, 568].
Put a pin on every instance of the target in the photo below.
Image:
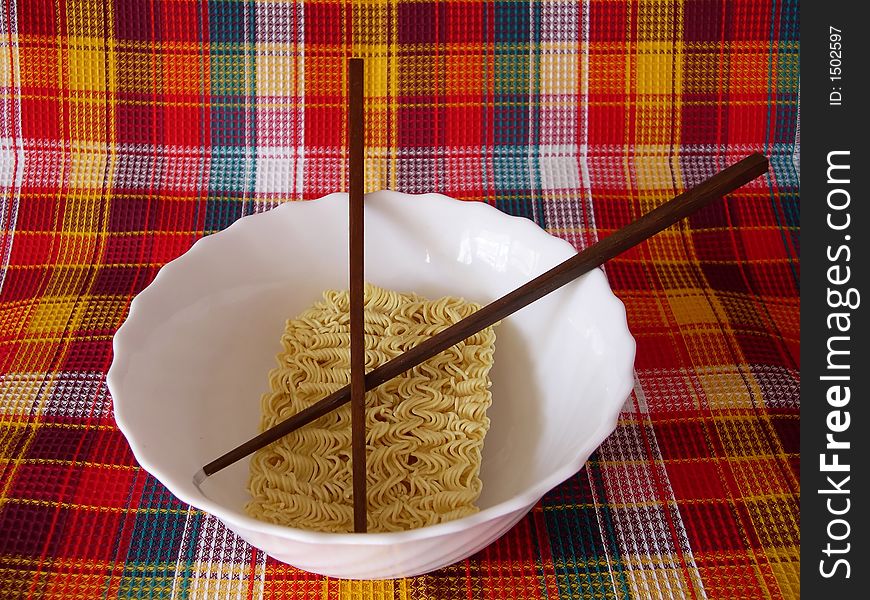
[835, 65]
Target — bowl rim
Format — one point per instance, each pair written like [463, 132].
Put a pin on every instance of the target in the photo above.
[521, 501]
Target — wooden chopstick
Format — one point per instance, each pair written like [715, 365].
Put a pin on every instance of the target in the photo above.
[632, 234]
[356, 145]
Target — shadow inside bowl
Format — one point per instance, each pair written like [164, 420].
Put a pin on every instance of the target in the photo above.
[509, 447]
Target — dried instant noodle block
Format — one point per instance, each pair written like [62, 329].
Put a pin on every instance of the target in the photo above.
[425, 428]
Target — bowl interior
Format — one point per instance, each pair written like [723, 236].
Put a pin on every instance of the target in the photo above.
[193, 358]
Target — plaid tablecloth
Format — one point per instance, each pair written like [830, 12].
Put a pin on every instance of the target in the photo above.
[131, 128]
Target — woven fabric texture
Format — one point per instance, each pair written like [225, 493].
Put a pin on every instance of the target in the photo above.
[131, 128]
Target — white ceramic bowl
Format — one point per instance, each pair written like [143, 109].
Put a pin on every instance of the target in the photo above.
[192, 359]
